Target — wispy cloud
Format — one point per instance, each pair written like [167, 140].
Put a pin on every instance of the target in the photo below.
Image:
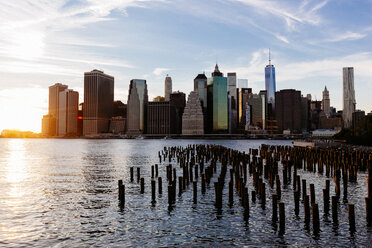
[160, 71]
[346, 36]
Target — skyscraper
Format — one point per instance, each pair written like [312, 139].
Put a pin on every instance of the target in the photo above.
[242, 106]
[167, 87]
[68, 113]
[217, 102]
[270, 84]
[137, 107]
[348, 96]
[192, 119]
[326, 107]
[54, 91]
[98, 102]
[200, 86]
[232, 102]
[288, 110]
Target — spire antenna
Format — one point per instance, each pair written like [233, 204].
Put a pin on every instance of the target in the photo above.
[269, 57]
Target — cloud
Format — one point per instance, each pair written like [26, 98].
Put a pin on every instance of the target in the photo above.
[160, 71]
[347, 36]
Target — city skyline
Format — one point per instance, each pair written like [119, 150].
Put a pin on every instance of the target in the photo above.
[47, 43]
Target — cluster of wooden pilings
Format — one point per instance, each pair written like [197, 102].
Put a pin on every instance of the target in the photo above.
[263, 167]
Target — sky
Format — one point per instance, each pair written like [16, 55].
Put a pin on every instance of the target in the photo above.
[44, 42]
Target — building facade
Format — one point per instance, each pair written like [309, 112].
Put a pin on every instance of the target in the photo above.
[288, 110]
[167, 87]
[193, 117]
[217, 102]
[48, 125]
[348, 97]
[54, 91]
[98, 102]
[270, 83]
[232, 102]
[242, 104]
[68, 113]
[178, 101]
[137, 107]
[161, 118]
[326, 104]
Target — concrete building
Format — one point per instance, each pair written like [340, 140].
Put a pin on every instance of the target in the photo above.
[167, 87]
[305, 114]
[288, 110]
[193, 118]
[242, 103]
[54, 91]
[232, 101]
[137, 107]
[348, 97]
[98, 102]
[68, 113]
[258, 105]
[217, 102]
[161, 118]
[200, 86]
[178, 100]
[326, 105]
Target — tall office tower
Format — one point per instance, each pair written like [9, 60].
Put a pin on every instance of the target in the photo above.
[217, 102]
[137, 107]
[270, 84]
[258, 106]
[348, 96]
[200, 86]
[54, 104]
[178, 101]
[242, 83]
[68, 113]
[288, 110]
[193, 117]
[167, 87]
[242, 106]
[232, 92]
[98, 102]
[326, 106]
[161, 116]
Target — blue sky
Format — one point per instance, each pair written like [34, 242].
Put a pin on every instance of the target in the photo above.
[44, 42]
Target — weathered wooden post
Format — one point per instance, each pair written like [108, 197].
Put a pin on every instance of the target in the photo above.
[131, 174]
[231, 193]
[312, 194]
[334, 209]
[156, 170]
[351, 213]
[275, 208]
[142, 185]
[281, 218]
[315, 213]
[138, 174]
[297, 202]
[153, 191]
[160, 183]
[195, 187]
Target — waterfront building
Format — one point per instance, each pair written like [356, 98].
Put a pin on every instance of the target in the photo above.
[48, 125]
[257, 110]
[217, 102]
[288, 110]
[348, 97]
[68, 113]
[98, 102]
[167, 87]
[178, 101]
[200, 86]
[137, 107]
[193, 117]
[242, 104]
[305, 114]
[232, 102]
[326, 105]
[161, 118]
[54, 91]
[270, 83]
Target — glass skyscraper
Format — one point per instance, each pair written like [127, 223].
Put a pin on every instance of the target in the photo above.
[217, 102]
[270, 84]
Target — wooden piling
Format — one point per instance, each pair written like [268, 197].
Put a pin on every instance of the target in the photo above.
[160, 183]
[315, 214]
[312, 194]
[351, 214]
[142, 185]
[153, 191]
[334, 209]
[281, 218]
[275, 208]
[195, 188]
[131, 174]
[297, 202]
[138, 174]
